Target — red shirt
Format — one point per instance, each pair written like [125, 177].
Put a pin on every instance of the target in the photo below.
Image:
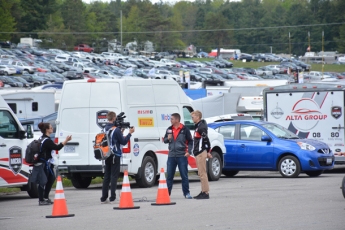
[176, 131]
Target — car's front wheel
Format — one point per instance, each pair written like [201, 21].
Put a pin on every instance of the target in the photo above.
[289, 167]
[314, 173]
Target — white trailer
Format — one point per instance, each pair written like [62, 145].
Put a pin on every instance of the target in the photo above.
[29, 103]
[313, 111]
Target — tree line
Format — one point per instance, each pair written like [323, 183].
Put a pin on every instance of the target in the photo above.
[250, 25]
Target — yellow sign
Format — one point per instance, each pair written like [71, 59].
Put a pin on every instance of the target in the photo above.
[145, 122]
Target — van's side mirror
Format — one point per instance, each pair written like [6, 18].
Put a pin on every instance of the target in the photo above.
[266, 138]
[29, 131]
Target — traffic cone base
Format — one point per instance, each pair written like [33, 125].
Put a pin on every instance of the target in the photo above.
[59, 206]
[69, 215]
[126, 200]
[171, 203]
[125, 208]
[163, 197]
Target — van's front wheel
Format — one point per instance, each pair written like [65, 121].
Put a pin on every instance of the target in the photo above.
[80, 182]
[147, 173]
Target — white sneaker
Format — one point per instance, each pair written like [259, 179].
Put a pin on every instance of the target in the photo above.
[104, 202]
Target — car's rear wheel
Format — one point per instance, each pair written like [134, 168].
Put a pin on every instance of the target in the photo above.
[230, 173]
[148, 172]
[314, 173]
[289, 167]
[6, 73]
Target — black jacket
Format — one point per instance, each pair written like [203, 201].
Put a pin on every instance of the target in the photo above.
[182, 144]
[47, 147]
[201, 141]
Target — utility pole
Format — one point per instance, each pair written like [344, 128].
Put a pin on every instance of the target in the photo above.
[290, 44]
[121, 31]
[323, 54]
[271, 48]
[309, 47]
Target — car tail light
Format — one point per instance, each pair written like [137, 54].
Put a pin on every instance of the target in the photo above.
[91, 80]
[127, 148]
[56, 141]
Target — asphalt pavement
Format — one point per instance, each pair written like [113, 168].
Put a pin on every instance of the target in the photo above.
[250, 200]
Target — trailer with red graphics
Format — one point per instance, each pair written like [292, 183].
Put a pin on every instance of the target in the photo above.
[313, 111]
[14, 171]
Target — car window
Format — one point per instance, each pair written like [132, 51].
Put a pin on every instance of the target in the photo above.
[251, 133]
[228, 131]
[280, 131]
[8, 126]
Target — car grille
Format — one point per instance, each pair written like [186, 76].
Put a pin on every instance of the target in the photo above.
[324, 151]
[323, 161]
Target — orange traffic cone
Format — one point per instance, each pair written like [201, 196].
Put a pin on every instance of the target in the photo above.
[126, 200]
[163, 197]
[60, 206]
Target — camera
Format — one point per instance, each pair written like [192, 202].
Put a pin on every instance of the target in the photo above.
[119, 122]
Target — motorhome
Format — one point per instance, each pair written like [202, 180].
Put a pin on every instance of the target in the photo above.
[29, 103]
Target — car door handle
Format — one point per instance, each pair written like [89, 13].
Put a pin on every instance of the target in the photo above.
[243, 146]
[3, 145]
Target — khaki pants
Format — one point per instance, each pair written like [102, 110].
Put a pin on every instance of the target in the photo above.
[201, 164]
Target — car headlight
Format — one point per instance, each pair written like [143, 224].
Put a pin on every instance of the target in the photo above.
[306, 146]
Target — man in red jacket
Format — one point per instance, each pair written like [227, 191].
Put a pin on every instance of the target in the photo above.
[201, 151]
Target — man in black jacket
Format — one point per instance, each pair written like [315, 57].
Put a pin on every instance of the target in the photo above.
[201, 151]
[180, 143]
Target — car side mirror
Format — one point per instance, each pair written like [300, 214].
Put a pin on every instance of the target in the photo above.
[266, 138]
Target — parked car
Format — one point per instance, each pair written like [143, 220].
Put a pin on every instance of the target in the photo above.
[226, 62]
[8, 70]
[263, 71]
[9, 81]
[84, 48]
[259, 145]
[164, 55]
[247, 57]
[26, 84]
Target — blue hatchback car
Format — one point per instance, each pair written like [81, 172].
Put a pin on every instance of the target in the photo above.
[265, 146]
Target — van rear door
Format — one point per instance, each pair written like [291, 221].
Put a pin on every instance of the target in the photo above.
[104, 97]
[73, 119]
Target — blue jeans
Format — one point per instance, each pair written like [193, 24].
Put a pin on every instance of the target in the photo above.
[182, 163]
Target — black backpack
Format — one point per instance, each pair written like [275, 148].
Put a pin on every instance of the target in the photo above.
[35, 147]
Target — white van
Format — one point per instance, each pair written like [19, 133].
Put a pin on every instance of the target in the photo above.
[147, 104]
[14, 171]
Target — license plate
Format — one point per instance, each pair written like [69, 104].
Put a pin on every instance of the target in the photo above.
[69, 149]
[329, 161]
